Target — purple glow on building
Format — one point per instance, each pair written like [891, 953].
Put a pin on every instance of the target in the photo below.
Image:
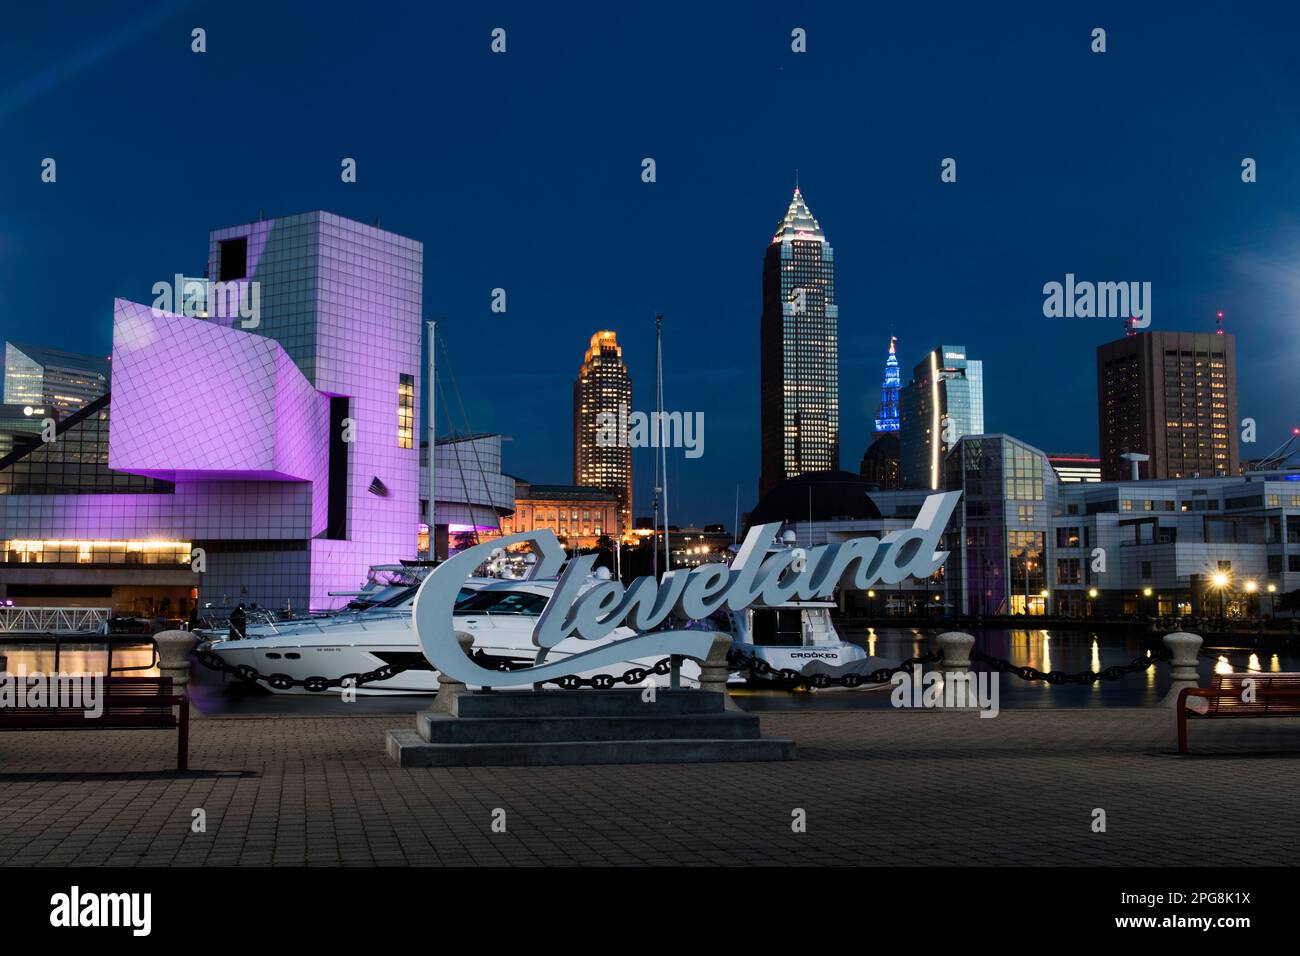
[195, 401]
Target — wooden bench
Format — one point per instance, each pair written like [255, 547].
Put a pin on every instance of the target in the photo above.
[1275, 695]
[129, 703]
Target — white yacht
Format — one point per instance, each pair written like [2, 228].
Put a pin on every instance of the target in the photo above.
[498, 614]
[798, 635]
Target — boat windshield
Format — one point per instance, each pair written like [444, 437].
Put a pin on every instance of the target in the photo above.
[503, 602]
[406, 595]
[401, 597]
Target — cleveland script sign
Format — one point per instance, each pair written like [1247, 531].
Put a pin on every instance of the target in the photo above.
[792, 574]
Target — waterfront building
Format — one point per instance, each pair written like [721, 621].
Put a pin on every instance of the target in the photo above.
[1076, 468]
[281, 464]
[1023, 541]
[943, 401]
[474, 499]
[53, 378]
[601, 459]
[1173, 397]
[799, 351]
[579, 516]
[1197, 546]
[1001, 526]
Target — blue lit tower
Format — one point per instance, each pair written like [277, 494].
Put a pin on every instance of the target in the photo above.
[880, 465]
[887, 414]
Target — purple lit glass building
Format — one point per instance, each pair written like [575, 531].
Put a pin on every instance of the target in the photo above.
[282, 444]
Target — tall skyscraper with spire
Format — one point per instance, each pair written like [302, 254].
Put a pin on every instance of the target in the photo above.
[881, 462]
[799, 351]
[603, 387]
[887, 413]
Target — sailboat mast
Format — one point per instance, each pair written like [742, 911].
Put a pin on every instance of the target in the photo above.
[431, 428]
[659, 383]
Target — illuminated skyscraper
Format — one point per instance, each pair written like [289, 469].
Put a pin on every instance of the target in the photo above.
[66, 381]
[943, 402]
[602, 459]
[1171, 396]
[887, 414]
[799, 346]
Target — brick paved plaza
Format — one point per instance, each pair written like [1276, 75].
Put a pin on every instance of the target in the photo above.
[879, 787]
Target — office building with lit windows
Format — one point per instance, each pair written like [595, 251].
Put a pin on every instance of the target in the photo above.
[799, 352]
[1202, 547]
[1073, 468]
[1001, 527]
[578, 515]
[943, 401]
[602, 393]
[54, 378]
[1173, 397]
[279, 451]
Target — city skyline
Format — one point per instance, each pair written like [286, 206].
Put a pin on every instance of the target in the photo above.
[921, 269]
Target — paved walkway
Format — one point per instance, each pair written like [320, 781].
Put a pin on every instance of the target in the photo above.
[878, 787]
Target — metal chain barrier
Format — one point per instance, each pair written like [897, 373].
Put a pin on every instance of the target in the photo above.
[572, 681]
[1114, 672]
[736, 660]
[757, 666]
[320, 684]
[314, 684]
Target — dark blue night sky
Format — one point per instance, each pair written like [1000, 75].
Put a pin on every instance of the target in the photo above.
[523, 171]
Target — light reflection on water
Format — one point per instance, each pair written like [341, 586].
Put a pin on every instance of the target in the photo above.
[1068, 651]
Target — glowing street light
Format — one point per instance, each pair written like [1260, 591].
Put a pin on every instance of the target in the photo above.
[1220, 581]
[1251, 588]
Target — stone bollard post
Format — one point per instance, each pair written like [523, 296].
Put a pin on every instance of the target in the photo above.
[174, 655]
[955, 665]
[956, 648]
[1185, 648]
[449, 689]
[714, 670]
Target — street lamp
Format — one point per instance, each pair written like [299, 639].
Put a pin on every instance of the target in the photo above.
[1043, 594]
[1272, 589]
[1251, 588]
[1092, 597]
[1146, 593]
[871, 596]
[1220, 581]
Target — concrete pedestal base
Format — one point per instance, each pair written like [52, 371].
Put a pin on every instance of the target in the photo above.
[539, 728]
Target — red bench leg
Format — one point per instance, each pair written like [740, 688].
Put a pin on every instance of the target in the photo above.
[1182, 721]
[183, 735]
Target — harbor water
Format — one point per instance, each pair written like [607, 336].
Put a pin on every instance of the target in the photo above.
[1068, 651]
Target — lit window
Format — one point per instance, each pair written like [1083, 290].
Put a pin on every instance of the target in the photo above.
[405, 411]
